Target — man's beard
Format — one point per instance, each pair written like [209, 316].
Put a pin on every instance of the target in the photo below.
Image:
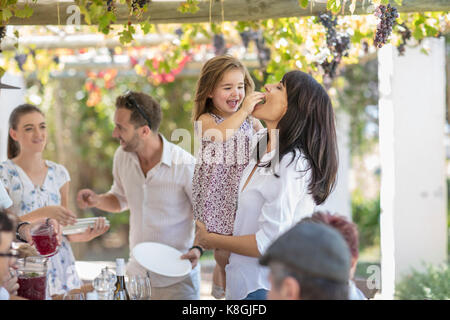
[132, 145]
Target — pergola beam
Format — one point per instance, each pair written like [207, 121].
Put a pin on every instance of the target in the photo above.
[57, 12]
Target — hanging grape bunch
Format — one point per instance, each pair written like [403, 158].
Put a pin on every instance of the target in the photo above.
[245, 37]
[110, 5]
[388, 16]
[21, 59]
[219, 45]
[2, 35]
[406, 35]
[263, 50]
[136, 4]
[337, 42]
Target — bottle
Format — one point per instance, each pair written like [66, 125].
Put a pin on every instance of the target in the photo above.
[120, 293]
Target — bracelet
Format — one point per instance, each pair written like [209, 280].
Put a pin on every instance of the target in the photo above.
[199, 249]
[17, 231]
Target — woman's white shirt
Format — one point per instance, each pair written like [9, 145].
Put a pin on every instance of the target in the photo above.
[267, 207]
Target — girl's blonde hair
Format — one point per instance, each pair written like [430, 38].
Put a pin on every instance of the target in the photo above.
[210, 75]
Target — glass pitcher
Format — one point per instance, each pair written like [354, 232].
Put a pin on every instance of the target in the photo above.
[32, 277]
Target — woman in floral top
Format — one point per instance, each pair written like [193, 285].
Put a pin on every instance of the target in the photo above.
[39, 188]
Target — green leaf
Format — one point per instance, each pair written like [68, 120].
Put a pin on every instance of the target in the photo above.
[146, 26]
[418, 33]
[430, 31]
[189, 6]
[303, 3]
[385, 2]
[2, 72]
[6, 14]
[334, 5]
[26, 12]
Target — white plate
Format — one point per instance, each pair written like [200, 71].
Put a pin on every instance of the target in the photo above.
[77, 229]
[80, 226]
[161, 259]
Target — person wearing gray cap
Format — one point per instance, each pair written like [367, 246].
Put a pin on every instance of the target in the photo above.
[311, 261]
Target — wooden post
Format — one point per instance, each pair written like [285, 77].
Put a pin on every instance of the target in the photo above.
[47, 12]
[413, 187]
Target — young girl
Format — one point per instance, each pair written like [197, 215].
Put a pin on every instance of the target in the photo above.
[222, 120]
[39, 188]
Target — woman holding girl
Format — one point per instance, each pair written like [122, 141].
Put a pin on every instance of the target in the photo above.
[293, 170]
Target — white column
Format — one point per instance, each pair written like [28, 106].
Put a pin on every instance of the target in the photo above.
[339, 201]
[9, 99]
[413, 187]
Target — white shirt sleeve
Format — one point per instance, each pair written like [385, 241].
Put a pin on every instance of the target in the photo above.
[4, 294]
[117, 188]
[277, 213]
[5, 200]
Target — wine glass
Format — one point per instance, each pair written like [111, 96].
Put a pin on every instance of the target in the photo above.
[133, 286]
[146, 289]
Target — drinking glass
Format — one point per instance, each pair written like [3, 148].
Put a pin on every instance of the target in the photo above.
[146, 289]
[133, 287]
[73, 296]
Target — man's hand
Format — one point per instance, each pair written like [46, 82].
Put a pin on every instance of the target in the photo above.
[193, 255]
[87, 198]
[11, 285]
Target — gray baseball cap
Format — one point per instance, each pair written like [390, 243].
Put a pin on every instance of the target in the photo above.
[314, 249]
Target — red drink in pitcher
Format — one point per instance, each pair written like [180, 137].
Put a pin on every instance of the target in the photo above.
[45, 240]
[32, 286]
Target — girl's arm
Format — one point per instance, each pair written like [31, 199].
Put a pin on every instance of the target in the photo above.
[225, 130]
[243, 245]
[257, 125]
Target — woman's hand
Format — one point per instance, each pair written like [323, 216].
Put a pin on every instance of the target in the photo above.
[25, 229]
[99, 228]
[202, 235]
[62, 215]
[251, 101]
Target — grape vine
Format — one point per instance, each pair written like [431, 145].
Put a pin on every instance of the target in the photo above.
[337, 42]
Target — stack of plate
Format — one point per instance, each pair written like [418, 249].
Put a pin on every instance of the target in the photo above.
[81, 225]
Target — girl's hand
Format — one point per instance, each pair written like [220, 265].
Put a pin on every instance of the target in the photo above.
[202, 235]
[251, 101]
[98, 229]
[62, 215]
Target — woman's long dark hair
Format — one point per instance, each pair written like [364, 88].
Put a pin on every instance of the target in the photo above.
[14, 118]
[309, 125]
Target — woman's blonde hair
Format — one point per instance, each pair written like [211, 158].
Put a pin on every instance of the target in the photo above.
[211, 74]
